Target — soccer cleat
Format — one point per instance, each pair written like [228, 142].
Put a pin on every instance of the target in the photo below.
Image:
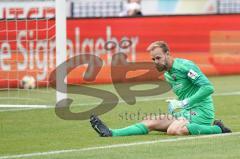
[221, 125]
[100, 127]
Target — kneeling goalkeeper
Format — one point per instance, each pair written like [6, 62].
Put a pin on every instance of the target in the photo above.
[193, 89]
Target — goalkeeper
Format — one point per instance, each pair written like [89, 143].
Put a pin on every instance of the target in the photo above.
[191, 114]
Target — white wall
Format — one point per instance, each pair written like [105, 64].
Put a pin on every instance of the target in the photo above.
[156, 7]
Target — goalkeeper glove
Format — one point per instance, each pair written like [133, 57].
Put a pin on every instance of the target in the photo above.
[176, 104]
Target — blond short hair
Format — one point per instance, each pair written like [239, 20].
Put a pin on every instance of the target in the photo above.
[160, 44]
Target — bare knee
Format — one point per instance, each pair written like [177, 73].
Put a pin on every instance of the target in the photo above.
[171, 131]
[178, 127]
[178, 131]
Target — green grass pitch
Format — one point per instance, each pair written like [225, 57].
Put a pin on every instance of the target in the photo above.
[39, 133]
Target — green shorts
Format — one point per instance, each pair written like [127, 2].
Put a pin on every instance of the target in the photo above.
[198, 115]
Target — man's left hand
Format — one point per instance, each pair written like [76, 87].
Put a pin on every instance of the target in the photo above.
[174, 104]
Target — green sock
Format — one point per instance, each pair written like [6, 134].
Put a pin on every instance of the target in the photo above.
[137, 129]
[196, 129]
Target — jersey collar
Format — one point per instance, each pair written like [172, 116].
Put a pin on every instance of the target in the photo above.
[174, 66]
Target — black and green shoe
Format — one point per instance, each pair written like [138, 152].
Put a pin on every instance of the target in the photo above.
[100, 127]
[222, 126]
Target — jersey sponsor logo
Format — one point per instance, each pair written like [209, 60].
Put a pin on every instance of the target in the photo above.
[192, 74]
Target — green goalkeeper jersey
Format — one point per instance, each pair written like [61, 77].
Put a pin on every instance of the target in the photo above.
[188, 82]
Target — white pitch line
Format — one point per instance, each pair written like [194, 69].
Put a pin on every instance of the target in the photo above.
[227, 93]
[118, 145]
[17, 109]
[23, 106]
[120, 101]
[159, 98]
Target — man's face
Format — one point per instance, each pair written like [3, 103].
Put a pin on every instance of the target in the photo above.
[159, 58]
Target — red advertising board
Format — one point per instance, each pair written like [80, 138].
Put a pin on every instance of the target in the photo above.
[211, 41]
